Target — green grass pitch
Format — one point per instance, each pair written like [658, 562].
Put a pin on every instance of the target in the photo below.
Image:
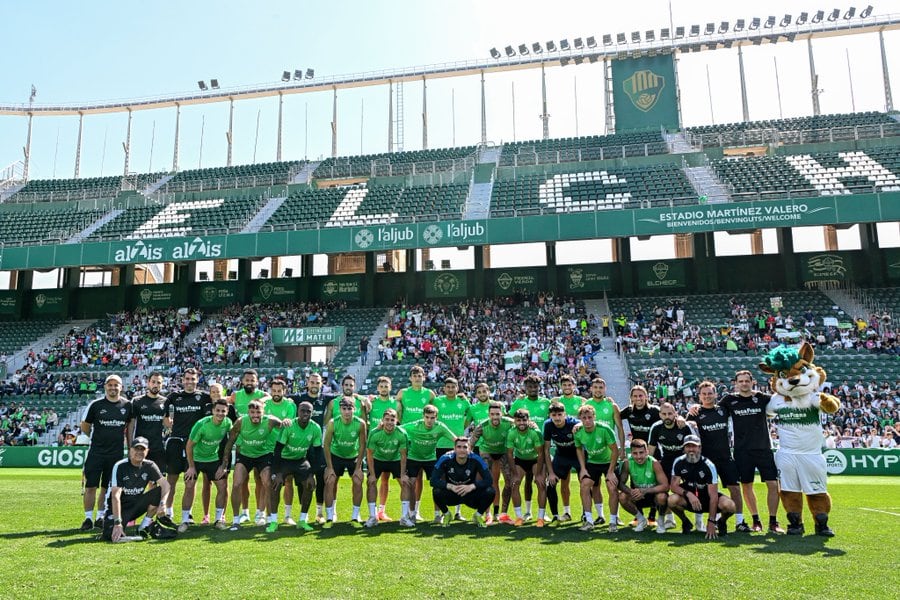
[45, 556]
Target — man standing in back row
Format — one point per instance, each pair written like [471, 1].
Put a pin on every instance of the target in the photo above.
[148, 411]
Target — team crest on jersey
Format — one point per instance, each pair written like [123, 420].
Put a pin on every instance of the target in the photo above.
[122, 410]
[721, 412]
[468, 472]
[679, 436]
[102, 411]
[702, 474]
[144, 476]
[647, 417]
[196, 396]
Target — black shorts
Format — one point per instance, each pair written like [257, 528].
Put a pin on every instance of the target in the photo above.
[647, 501]
[342, 465]
[159, 457]
[259, 462]
[209, 469]
[439, 452]
[176, 459]
[563, 466]
[387, 466]
[597, 471]
[525, 464]
[748, 461]
[727, 470]
[497, 455]
[703, 496]
[98, 469]
[299, 469]
[413, 467]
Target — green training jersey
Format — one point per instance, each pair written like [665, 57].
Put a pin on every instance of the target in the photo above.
[242, 401]
[255, 440]
[596, 443]
[605, 411]
[572, 404]
[478, 412]
[207, 436]
[524, 444]
[345, 439]
[423, 441]
[493, 439]
[286, 409]
[379, 405]
[298, 440]
[387, 446]
[538, 410]
[336, 407]
[642, 476]
[414, 401]
[452, 413]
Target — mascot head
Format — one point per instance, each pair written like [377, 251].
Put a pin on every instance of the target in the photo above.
[794, 375]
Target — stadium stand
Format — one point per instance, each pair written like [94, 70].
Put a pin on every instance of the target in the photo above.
[397, 163]
[629, 187]
[809, 175]
[241, 176]
[68, 189]
[579, 149]
[44, 226]
[16, 335]
[799, 130]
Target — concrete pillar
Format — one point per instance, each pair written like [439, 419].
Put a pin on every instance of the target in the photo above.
[684, 245]
[831, 241]
[756, 242]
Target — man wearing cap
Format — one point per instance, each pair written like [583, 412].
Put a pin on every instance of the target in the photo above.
[108, 421]
[695, 487]
[128, 496]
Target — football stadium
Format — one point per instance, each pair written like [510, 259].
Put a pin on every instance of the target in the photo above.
[492, 300]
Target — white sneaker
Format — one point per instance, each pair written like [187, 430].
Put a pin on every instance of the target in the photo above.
[641, 524]
[661, 526]
[183, 527]
[371, 521]
[613, 526]
[261, 521]
[243, 519]
[419, 518]
[669, 521]
[527, 517]
[700, 526]
[565, 518]
[407, 522]
[587, 526]
[290, 521]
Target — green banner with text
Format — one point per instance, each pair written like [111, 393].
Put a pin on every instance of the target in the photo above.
[446, 284]
[164, 295]
[217, 294]
[9, 303]
[308, 336]
[338, 287]
[863, 461]
[892, 260]
[825, 268]
[49, 303]
[644, 93]
[588, 278]
[40, 456]
[528, 280]
[661, 275]
[273, 290]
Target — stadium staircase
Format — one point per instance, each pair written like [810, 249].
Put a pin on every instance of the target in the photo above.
[705, 182]
[12, 179]
[260, 218]
[611, 367]
[851, 306]
[678, 143]
[153, 187]
[478, 201]
[90, 229]
[17, 360]
[304, 175]
[361, 372]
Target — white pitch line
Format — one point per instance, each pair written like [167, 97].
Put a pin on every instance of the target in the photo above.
[881, 511]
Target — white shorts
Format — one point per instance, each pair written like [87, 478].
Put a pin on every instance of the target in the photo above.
[802, 472]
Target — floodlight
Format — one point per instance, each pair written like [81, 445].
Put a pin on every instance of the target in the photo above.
[607, 39]
[536, 48]
[695, 30]
[288, 272]
[728, 43]
[579, 60]
[866, 12]
[592, 42]
[650, 35]
[792, 36]
[564, 61]
[214, 84]
[696, 47]
[495, 53]
[523, 50]
[834, 14]
[770, 22]
[723, 27]
[593, 58]
[510, 52]
[817, 18]
[203, 276]
[801, 20]
[785, 21]
[286, 76]
[563, 44]
[579, 43]
[551, 46]
[620, 38]
[754, 24]
[664, 33]
[201, 85]
[710, 28]
[679, 32]
[757, 41]
[310, 73]
[263, 273]
[851, 12]
[636, 37]
[739, 25]
[298, 74]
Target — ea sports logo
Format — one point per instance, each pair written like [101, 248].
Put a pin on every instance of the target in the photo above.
[432, 234]
[835, 463]
[364, 238]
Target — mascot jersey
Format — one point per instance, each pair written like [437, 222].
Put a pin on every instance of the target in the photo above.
[799, 429]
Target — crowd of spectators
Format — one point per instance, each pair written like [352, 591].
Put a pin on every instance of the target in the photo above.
[21, 425]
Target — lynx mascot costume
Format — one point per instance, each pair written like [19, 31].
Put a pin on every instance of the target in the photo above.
[796, 404]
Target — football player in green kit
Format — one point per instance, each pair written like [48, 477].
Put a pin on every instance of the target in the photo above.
[252, 435]
[379, 403]
[241, 399]
[606, 411]
[597, 451]
[411, 401]
[361, 404]
[202, 452]
[538, 408]
[284, 408]
[525, 450]
[453, 410]
[386, 452]
[423, 435]
[292, 456]
[569, 399]
[480, 410]
[490, 435]
[344, 446]
[649, 485]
